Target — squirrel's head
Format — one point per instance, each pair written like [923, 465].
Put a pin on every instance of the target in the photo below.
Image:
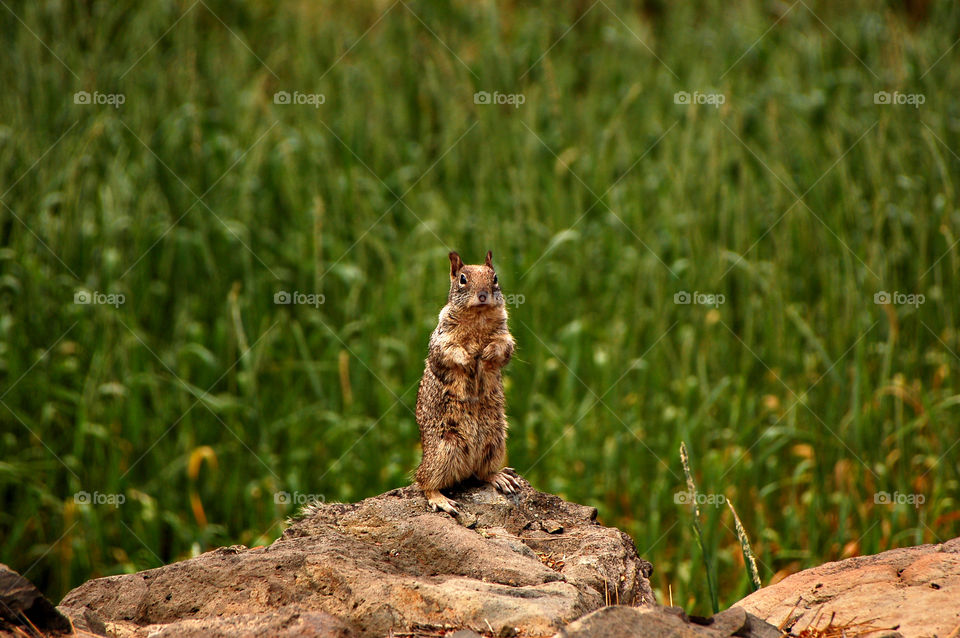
[474, 286]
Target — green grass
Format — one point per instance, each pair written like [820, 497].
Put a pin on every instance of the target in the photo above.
[799, 398]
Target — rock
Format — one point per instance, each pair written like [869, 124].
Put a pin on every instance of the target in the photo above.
[729, 621]
[914, 591]
[22, 606]
[624, 622]
[655, 621]
[283, 623]
[385, 564]
[551, 526]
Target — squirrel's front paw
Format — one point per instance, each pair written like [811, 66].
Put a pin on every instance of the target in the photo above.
[461, 357]
[493, 353]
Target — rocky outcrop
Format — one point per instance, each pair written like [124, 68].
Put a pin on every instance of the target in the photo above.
[914, 591]
[528, 564]
[525, 564]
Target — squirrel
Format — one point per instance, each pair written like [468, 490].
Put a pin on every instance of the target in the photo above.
[460, 403]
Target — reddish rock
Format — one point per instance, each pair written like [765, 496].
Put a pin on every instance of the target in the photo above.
[914, 591]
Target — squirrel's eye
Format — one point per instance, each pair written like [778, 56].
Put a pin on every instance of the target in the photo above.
[463, 279]
[495, 280]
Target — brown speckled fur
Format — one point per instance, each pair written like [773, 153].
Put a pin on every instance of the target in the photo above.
[460, 405]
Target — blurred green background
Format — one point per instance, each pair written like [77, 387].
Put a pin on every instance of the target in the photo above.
[201, 403]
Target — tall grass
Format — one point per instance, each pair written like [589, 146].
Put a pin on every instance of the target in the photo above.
[200, 400]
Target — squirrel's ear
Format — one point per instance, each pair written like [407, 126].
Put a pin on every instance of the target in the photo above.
[455, 264]
[489, 261]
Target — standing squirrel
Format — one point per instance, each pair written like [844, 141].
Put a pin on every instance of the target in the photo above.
[460, 404]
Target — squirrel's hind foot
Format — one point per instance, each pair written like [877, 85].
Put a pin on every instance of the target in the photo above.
[505, 482]
[438, 502]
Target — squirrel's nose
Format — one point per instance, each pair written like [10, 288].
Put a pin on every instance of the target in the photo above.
[482, 296]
